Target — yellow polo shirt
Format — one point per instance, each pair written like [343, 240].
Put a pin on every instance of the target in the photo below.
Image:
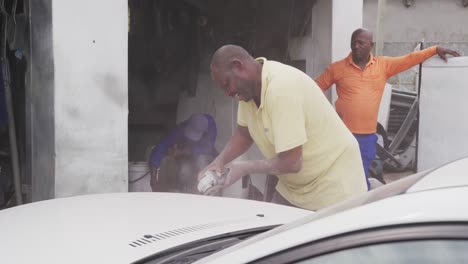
[295, 112]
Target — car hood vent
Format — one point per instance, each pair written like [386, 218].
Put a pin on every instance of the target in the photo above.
[151, 238]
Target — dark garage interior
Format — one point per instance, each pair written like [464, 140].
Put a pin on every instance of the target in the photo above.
[169, 39]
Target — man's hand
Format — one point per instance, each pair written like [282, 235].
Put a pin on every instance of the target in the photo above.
[214, 166]
[238, 144]
[237, 170]
[442, 52]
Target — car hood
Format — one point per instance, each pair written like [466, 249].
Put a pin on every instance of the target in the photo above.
[125, 227]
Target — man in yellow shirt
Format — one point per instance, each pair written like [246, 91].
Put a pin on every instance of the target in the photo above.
[305, 143]
[360, 81]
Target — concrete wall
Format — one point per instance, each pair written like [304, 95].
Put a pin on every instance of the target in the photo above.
[321, 34]
[347, 17]
[434, 21]
[315, 47]
[329, 37]
[40, 134]
[90, 96]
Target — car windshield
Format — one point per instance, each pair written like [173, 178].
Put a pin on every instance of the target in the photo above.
[392, 189]
[194, 251]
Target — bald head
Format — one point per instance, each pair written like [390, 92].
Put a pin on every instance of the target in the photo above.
[363, 32]
[225, 55]
[235, 71]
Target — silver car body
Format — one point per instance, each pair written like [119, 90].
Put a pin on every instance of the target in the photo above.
[127, 227]
[434, 196]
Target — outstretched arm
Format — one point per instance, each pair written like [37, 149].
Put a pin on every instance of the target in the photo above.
[396, 65]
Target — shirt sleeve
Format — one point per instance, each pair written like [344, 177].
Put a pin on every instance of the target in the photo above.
[160, 151]
[326, 80]
[394, 65]
[288, 122]
[207, 144]
[212, 131]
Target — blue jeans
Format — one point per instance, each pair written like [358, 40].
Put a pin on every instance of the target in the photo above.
[368, 151]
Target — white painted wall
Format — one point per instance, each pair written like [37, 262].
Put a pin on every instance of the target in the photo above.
[90, 58]
[347, 17]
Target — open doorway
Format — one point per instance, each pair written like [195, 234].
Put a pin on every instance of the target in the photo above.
[13, 107]
[170, 45]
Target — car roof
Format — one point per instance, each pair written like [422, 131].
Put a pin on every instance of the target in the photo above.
[420, 198]
[125, 227]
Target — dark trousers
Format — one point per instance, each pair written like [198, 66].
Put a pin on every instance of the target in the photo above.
[368, 151]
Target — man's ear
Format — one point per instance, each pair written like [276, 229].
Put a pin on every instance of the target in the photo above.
[237, 65]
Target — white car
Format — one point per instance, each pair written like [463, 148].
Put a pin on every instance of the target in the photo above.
[420, 219]
[133, 227]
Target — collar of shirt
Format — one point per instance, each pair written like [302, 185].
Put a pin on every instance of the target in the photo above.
[350, 61]
[264, 88]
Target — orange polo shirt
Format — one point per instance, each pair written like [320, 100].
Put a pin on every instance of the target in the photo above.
[360, 91]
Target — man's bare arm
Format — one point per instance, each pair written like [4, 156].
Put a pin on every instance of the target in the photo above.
[238, 144]
[289, 161]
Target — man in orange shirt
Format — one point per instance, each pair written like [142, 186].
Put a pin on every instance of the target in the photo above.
[360, 80]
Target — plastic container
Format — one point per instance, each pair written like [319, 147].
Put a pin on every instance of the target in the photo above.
[139, 177]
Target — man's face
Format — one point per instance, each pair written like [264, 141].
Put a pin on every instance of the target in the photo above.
[361, 45]
[234, 83]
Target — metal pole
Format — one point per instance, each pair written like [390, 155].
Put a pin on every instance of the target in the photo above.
[415, 167]
[380, 27]
[9, 106]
